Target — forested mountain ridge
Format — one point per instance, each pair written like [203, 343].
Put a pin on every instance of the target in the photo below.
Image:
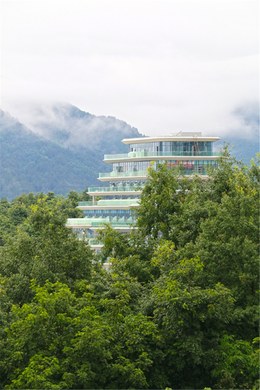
[73, 128]
[63, 149]
[63, 158]
[243, 149]
[178, 309]
[30, 163]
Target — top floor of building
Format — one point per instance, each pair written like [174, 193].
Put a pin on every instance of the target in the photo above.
[182, 144]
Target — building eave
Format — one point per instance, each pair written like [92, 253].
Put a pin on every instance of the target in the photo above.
[115, 193]
[169, 138]
[111, 207]
[122, 178]
[162, 158]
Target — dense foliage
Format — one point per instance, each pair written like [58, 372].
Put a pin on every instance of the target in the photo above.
[178, 308]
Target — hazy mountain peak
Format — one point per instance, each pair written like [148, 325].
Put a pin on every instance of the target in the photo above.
[71, 127]
[31, 161]
[248, 115]
[10, 124]
[6, 119]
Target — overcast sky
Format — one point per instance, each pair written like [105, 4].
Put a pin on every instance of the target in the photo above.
[160, 65]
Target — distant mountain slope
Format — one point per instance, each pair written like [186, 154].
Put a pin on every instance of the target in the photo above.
[64, 147]
[31, 163]
[245, 144]
[243, 149]
[73, 128]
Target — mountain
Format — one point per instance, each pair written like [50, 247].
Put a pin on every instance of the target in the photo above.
[243, 149]
[244, 141]
[72, 128]
[30, 162]
[61, 148]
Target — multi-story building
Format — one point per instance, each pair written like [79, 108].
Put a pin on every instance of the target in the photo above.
[114, 202]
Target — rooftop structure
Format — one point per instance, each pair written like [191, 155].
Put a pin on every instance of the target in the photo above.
[114, 202]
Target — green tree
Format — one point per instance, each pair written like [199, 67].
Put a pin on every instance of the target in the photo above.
[136, 341]
[161, 198]
[57, 341]
[191, 318]
[238, 365]
[211, 230]
[43, 249]
[65, 339]
[228, 245]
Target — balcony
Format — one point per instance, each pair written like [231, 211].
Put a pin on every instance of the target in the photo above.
[99, 222]
[143, 154]
[114, 189]
[109, 203]
[118, 202]
[121, 175]
[113, 224]
[87, 203]
[137, 175]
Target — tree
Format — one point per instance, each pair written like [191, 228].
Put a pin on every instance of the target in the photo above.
[203, 269]
[238, 364]
[135, 346]
[178, 308]
[56, 341]
[161, 198]
[43, 249]
[191, 318]
[228, 245]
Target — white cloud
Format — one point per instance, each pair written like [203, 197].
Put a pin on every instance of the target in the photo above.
[161, 65]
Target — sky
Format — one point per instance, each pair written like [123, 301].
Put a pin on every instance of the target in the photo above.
[160, 65]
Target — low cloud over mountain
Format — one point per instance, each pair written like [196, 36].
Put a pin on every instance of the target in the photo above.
[61, 147]
[71, 127]
[64, 151]
[248, 117]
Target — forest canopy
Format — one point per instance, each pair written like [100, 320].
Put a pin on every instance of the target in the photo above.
[178, 308]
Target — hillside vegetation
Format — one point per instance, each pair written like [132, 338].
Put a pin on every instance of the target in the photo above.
[178, 308]
[62, 151]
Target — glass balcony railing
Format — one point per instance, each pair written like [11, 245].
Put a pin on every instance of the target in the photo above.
[123, 174]
[122, 155]
[87, 203]
[131, 174]
[99, 222]
[114, 189]
[118, 202]
[113, 224]
[111, 202]
[81, 222]
[144, 153]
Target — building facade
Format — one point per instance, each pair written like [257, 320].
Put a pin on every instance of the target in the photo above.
[113, 202]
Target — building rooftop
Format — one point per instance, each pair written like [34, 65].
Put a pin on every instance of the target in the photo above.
[180, 136]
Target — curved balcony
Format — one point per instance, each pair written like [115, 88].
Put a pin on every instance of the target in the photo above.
[148, 155]
[130, 175]
[97, 223]
[115, 190]
[188, 169]
[109, 204]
